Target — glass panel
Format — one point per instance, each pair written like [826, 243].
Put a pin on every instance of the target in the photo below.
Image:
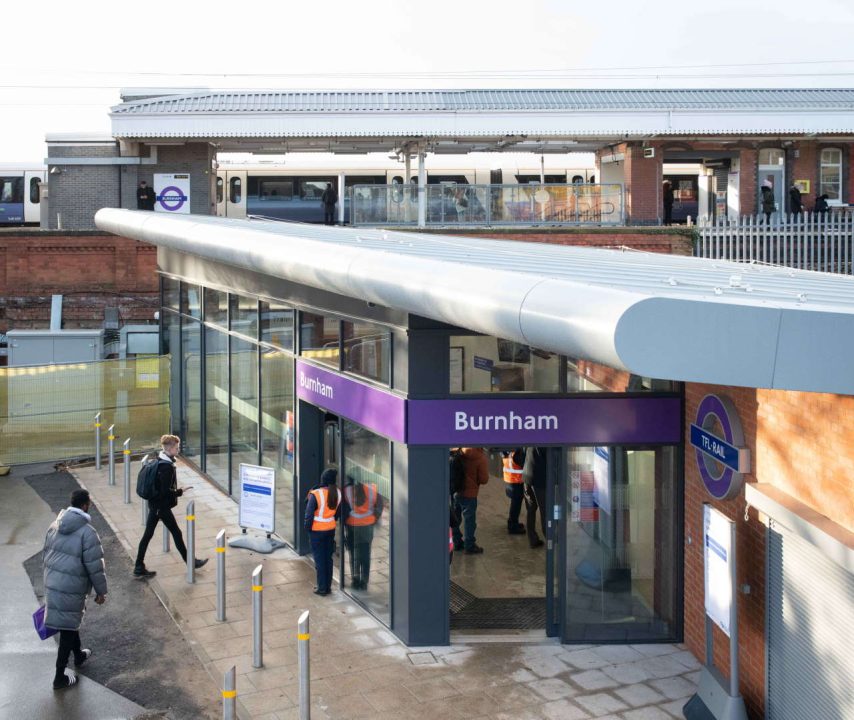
[367, 350]
[170, 292]
[170, 344]
[830, 174]
[216, 307]
[313, 189]
[276, 189]
[831, 156]
[191, 300]
[219, 190]
[35, 190]
[244, 315]
[11, 189]
[244, 407]
[277, 325]
[482, 364]
[216, 406]
[235, 190]
[771, 156]
[277, 433]
[319, 338]
[191, 388]
[622, 558]
[366, 516]
[586, 376]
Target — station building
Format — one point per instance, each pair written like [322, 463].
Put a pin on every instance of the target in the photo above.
[375, 352]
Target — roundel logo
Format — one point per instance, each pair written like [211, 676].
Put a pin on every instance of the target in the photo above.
[172, 198]
[718, 440]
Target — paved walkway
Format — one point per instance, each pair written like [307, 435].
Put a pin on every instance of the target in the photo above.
[359, 669]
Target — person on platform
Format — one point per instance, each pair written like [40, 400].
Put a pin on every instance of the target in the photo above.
[361, 509]
[513, 461]
[322, 511]
[145, 197]
[465, 501]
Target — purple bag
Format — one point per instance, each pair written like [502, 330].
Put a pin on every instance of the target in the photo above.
[43, 630]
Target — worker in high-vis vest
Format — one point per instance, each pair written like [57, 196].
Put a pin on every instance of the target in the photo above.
[322, 511]
[361, 509]
[513, 462]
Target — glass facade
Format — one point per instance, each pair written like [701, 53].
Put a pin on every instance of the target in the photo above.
[277, 325]
[191, 387]
[367, 350]
[483, 364]
[216, 406]
[586, 376]
[244, 407]
[320, 338]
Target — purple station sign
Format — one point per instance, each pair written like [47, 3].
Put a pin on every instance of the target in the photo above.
[378, 410]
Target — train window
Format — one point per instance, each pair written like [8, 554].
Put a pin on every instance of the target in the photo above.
[577, 179]
[313, 189]
[276, 189]
[219, 190]
[35, 190]
[235, 190]
[535, 179]
[397, 180]
[11, 189]
[592, 179]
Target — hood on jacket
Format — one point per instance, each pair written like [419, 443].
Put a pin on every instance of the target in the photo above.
[71, 520]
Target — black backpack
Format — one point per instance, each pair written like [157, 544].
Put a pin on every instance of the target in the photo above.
[146, 479]
[457, 471]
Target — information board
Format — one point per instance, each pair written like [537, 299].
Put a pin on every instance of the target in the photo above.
[717, 551]
[257, 497]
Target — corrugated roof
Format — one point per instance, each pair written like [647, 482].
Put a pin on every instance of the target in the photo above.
[278, 101]
[663, 316]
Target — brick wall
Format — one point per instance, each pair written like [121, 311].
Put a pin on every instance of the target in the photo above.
[800, 443]
[805, 167]
[748, 170]
[92, 271]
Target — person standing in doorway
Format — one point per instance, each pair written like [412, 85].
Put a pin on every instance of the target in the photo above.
[73, 566]
[513, 461]
[362, 507]
[160, 508]
[145, 196]
[322, 511]
[769, 205]
[795, 205]
[476, 474]
[329, 199]
[667, 201]
[534, 476]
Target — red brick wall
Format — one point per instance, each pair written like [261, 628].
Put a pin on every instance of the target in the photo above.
[805, 167]
[748, 162]
[800, 443]
[92, 271]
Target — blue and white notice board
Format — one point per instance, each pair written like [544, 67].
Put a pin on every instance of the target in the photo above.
[718, 558]
[257, 498]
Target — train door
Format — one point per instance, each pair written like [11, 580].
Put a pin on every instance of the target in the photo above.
[235, 193]
[219, 192]
[33, 180]
[12, 198]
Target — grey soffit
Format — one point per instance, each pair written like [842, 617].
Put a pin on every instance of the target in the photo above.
[484, 101]
[662, 316]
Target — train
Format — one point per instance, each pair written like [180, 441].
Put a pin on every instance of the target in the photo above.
[21, 192]
[291, 190]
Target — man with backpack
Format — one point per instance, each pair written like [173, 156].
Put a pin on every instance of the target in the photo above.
[476, 473]
[161, 489]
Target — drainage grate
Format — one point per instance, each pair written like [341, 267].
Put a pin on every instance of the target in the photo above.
[472, 613]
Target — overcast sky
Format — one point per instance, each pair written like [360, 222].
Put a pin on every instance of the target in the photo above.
[63, 65]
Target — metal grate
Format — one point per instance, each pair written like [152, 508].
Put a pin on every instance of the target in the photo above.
[473, 613]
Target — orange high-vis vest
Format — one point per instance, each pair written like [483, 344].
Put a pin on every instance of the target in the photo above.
[512, 471]
[450, 540]
[361, 515]
[324, 518]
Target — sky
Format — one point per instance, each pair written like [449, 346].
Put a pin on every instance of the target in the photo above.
[63, 64]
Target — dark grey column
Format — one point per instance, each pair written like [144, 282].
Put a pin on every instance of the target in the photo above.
[309, 450]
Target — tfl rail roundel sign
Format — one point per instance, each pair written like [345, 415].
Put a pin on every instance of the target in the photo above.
[172, 192]
[718, 440]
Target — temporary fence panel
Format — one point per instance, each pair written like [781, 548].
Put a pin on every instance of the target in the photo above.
[46, 411]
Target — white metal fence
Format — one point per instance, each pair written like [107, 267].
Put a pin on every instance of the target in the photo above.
[809, 241]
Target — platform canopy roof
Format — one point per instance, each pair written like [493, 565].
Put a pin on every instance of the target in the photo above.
[460, 121]
[660, 316]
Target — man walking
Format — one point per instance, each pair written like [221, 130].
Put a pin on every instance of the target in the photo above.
[166, 497]
[73, 565]
[329, 198]
[476, 474]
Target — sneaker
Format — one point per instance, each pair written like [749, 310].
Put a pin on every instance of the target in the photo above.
[67, 680]
[474, 550]
[518, 530]
[85, 654]
[143, 572]
[201, 563]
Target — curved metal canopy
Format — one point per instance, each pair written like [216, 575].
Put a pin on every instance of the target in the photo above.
[662, 316]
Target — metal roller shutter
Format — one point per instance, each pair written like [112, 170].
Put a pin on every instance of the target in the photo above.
[810, 624]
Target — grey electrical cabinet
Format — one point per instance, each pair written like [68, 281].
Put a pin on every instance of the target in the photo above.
[54, 347]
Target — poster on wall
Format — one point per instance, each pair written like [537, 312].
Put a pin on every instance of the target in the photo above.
[257, 498]
[717, 554]
[172, 193]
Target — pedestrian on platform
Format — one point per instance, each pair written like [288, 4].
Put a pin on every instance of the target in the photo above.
[329, 198]
[73, 566]
[667, 201]
[513, 461]
[322, 511]
[360, 510]
[769, 205]
[476, 474]
[795, 205]
[145, 197]
[534, 476]
[160, 508]
[821, 206]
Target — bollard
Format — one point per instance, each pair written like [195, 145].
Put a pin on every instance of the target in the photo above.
[191, 541]
[220, 576]
[126, 453]
[303, 640]
[98, 441]
[229, 695]
[165, 539]
[257, 617]
[111, 460]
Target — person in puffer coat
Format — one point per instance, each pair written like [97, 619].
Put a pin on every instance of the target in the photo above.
[73, 566]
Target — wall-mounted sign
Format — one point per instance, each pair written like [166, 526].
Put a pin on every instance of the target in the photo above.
[803, 186]
[718, 439]
[718, 559]
[172, 193]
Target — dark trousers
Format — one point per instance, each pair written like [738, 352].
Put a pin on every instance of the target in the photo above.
[535, 500]
[516, 493]
[322, 545]
[69, 642]
[328, 214]
[467, 509]
[668, 214]
[358, 540]
[165, 515]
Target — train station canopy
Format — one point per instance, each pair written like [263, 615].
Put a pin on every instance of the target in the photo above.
[659, 316]
[461, 121]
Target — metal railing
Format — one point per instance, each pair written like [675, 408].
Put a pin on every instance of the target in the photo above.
[809, 241]
[451, 204]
